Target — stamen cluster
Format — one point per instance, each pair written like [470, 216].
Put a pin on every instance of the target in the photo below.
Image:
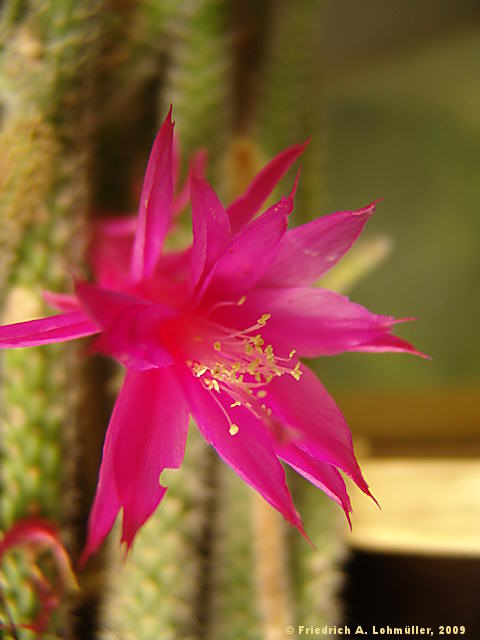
[241, 365]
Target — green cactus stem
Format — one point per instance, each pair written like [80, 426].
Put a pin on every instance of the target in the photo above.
[317, 574]
[234, 609]
[290, 106]
[197, 78]
[47, 51]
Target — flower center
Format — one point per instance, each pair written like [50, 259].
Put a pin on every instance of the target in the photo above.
[239, 364]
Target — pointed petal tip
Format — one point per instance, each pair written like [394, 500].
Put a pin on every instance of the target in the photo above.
[298, 524]
[169, 116]
[390, 343]
[400, 320]
[416, 352]
[308, 539]
[198, 162]
[128, 536]
[300, 147]
[367, 211]
[366, 491]
[407, 347]
[293, 192]
[87, 552]
[306, 142]
[126, 549]
[196, 173]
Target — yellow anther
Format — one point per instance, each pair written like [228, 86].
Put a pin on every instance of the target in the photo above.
[199, 370]
[241, 301]
[269, 352]
[234, 429]
[218, 370]
[252, 367]
[296, 373]
[262, 393]
[248, 349]
[263, 320]
[237, 403]
[292, 353]
[257, 341]
[216, 386]
[217, 345]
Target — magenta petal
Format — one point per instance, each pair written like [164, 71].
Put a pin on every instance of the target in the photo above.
[211, 227]
[243, 209]
[110, 250]
[155, 210]
[118, 227]
[104, 305]
[252, 251]
[176, 159]
[59, 328]
[152, 418]
[318, 322]
[61, 301]
[106, 503]
[133, 338]
[313, 423]
[250, 452]
[146, 434]
[130, 326]
[388, 343]
[307, 252]
[181, 199]
[322, 475]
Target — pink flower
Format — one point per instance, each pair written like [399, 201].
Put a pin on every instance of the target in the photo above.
[216, 332]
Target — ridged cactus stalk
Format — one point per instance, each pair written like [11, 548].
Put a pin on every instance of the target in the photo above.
[46, 72]
[235, 612]
[197, 79]
[290, 104]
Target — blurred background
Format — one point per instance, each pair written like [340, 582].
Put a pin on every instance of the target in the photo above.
[401, 109]
[390, 93]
